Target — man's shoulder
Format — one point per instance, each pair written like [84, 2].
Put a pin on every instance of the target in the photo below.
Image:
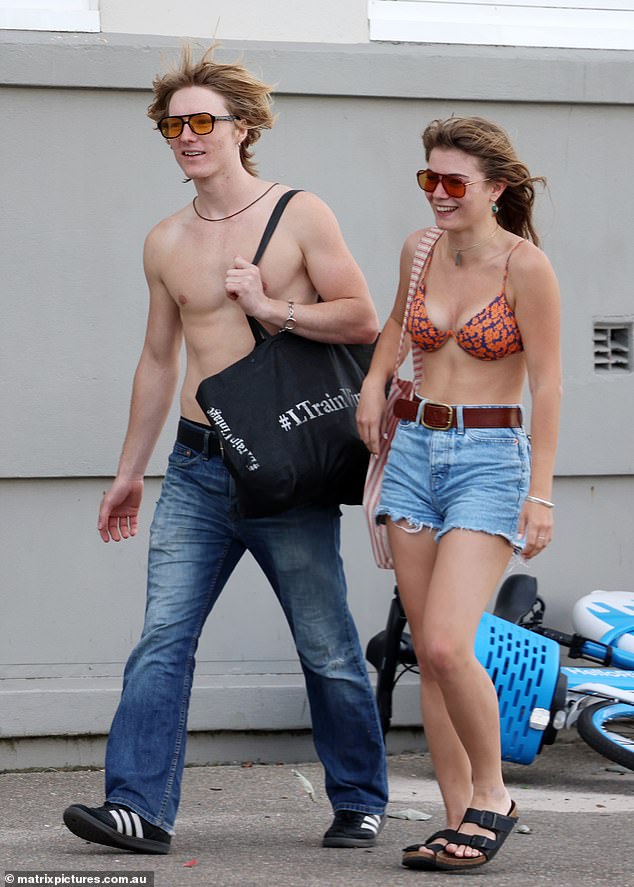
[309, 216]
[301, 199]
[171, 226]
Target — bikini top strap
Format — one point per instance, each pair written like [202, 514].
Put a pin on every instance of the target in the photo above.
[508, 259]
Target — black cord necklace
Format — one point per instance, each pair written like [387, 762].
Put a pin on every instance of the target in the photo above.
[224, 218]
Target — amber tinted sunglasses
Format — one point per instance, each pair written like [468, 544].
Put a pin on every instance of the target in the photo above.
[453, 185]
[200, 124]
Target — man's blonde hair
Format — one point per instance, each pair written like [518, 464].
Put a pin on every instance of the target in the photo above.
[246, 97]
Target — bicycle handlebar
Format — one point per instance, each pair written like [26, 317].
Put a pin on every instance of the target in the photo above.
[585, 648]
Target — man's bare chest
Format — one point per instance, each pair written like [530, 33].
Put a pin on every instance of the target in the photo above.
[195, 273]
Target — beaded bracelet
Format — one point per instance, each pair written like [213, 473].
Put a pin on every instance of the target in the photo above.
[539, 501]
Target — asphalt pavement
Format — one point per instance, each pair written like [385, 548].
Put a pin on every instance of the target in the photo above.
[253, 825]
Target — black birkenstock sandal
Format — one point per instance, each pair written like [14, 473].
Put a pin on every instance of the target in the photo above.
[495, 822]
[414, 859]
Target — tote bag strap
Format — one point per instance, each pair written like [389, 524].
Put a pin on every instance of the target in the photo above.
[259, 333]
[422, 255]
[271, 225]
[399, 388]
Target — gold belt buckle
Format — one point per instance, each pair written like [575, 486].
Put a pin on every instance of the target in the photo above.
[449, 409]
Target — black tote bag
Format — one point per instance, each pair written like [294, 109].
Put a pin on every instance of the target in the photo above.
[285, 418]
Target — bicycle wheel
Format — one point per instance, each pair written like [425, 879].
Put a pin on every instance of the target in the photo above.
[608, 727]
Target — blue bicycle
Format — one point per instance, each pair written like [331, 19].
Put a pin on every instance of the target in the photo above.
[537, 695]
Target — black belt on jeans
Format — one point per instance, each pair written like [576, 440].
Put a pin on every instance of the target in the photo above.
[197, 437]
[442, 416]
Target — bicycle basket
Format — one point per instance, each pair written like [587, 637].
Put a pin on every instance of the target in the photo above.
[524, 668]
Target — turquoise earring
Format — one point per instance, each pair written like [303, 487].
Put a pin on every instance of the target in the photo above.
[495, 209]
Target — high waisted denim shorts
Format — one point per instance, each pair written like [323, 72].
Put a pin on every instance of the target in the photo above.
[462, 478]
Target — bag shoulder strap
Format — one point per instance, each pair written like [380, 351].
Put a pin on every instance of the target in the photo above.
[422, 255]
[259, 333]
[271, 225]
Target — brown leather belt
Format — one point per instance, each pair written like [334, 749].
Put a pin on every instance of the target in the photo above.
[442, 416]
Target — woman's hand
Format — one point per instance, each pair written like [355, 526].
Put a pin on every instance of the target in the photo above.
[371, 414]
[536, 527]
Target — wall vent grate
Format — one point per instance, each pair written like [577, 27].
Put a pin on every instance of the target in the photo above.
[612, 342]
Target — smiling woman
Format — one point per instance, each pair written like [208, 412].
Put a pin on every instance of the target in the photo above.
[459, 493]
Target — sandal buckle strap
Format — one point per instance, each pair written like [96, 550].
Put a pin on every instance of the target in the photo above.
[448, 834]
[495, 822]
[479, 842]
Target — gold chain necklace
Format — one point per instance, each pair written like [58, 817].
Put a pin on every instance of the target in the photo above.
[224, 218]
[464, 249]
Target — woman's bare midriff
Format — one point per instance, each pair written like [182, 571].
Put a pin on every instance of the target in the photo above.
[454, 377]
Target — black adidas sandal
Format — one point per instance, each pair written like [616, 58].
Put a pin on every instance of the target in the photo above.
[116, 826]
[414, 859]
[495, 822]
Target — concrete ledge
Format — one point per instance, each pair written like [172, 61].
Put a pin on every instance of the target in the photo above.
[401, 70]
[223, 747]
[61, 707]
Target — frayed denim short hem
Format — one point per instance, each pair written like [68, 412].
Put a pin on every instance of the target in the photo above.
[414, 527]
[473, 479]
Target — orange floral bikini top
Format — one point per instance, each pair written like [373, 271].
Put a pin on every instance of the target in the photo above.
[490, 334]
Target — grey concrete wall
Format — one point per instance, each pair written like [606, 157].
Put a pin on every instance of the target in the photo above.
[83, 177]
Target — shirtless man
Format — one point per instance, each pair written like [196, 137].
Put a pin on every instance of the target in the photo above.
[202, 285]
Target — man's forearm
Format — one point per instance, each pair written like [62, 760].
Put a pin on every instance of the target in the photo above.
[348, 321]
[152, 395]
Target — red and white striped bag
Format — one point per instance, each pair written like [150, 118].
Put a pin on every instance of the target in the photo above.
[399, 388]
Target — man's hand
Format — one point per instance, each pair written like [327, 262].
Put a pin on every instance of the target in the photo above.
[119, 511]
[244, 285]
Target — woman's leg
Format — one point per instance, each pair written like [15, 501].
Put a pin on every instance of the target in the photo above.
[415, 557]
[467, 568]
[444, 589]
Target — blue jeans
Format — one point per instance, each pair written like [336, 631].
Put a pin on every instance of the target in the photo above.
[196, 540]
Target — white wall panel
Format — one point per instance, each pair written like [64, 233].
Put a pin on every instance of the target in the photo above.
[328, 21]
[50, 15]
[581, 24]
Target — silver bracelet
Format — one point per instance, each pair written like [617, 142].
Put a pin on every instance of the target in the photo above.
[291, 323]
[539, 501]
